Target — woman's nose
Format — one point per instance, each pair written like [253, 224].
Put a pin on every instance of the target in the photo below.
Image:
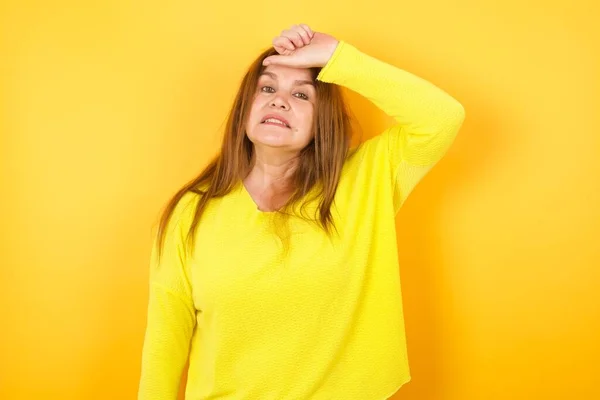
[280, 102]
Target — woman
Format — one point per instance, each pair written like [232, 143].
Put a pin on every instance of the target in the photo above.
[276, 270]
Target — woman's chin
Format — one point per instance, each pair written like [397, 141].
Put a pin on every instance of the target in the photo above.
[272, 139]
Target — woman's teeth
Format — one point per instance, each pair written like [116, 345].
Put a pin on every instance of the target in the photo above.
[275, 121]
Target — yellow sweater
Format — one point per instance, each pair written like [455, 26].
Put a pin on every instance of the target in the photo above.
[325, 321]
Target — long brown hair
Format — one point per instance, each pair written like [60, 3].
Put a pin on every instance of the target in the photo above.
[320, 162]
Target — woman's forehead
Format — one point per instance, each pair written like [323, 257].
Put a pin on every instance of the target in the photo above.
[280, 72]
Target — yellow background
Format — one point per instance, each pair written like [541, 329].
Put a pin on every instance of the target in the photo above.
[109, 106]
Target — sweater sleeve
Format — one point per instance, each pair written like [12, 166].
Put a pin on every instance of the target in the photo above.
[171, 313]
[428, 119]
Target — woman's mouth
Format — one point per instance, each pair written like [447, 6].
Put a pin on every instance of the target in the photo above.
[276, 121]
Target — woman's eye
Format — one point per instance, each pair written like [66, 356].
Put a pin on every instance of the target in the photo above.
[270, 89]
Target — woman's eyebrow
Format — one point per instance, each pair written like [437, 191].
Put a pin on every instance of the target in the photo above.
[296, 82]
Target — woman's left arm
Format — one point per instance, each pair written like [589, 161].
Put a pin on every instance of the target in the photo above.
[428, 118]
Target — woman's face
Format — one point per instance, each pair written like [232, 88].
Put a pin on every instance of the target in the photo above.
[282, 111]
